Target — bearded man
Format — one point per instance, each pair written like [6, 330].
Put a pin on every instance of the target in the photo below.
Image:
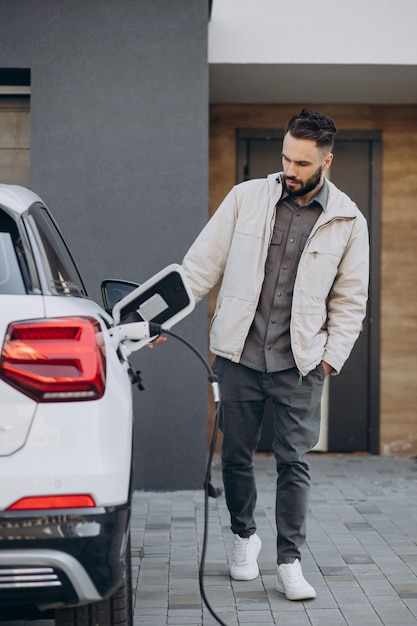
[293, 254]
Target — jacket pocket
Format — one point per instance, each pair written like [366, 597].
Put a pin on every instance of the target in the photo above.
[318, 272]
[325, 249]
[230, 325]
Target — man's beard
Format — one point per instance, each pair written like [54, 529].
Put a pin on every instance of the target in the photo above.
[305, 188]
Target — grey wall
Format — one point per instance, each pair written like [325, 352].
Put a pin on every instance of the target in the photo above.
[119, 134]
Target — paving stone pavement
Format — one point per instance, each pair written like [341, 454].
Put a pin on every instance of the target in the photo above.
[361, 554]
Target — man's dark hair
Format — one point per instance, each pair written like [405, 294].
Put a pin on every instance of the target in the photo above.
[310, 124]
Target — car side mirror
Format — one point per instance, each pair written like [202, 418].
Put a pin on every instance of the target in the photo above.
[164, 299]
[114, 290]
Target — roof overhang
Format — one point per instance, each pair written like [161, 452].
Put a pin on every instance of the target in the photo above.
[313, 83]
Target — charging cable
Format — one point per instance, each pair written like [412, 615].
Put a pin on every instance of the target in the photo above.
[156, 329]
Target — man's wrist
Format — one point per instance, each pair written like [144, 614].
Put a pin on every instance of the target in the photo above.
[328, 369]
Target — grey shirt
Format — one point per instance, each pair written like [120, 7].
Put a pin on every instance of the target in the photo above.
[268, 345]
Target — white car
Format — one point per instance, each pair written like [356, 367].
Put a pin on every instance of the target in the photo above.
[66, 421]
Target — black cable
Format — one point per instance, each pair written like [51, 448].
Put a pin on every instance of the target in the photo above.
[206, 516]
[214, 383]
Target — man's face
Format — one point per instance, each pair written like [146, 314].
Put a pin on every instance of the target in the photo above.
[304, 165]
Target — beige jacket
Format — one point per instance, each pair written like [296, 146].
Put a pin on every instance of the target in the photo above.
[331, 286]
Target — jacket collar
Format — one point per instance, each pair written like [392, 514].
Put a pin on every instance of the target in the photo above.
[338, 203]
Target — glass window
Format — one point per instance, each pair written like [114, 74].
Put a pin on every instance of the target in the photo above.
[11, 280]
[60, 271]
[17, 270]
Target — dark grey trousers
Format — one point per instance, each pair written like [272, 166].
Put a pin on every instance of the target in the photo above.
[296, 431]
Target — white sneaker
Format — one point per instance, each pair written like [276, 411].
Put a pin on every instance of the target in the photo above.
[292, 582]
[245, 566]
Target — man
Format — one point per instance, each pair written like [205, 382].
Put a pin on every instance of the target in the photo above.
[293, 253]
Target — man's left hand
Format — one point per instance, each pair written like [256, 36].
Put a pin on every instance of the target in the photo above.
[157, 341]
[327, 368]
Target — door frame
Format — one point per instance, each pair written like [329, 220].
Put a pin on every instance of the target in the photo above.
[243, 137]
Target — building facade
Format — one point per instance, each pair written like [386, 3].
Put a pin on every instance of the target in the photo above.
[356, 62]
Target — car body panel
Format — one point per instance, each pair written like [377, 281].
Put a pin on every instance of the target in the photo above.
[17, 410]
[17, 199]
[96, 434]
[71, 452]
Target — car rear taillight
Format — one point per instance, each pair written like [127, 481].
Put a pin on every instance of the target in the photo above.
[31, 503]
[55, 360]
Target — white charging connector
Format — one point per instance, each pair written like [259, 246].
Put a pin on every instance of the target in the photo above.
[129, 334]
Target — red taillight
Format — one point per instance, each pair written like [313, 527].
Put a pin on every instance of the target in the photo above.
[76, 501]
[54, 360]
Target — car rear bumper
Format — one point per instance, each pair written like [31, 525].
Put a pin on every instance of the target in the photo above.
[63, 557]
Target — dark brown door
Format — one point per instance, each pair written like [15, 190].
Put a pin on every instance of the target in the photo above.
[353, 396]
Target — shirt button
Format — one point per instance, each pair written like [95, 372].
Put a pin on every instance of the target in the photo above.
[285, 267]
[291, 240]
[279, 294]
[268, 347]
[273, 321]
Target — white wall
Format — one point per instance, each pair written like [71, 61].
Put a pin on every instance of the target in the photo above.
[323, 31]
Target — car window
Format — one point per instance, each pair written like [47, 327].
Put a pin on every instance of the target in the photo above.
[17, 270]
[11, 280]
[61, 273]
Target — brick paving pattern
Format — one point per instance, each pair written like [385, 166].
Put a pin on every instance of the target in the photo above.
[361, 554]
